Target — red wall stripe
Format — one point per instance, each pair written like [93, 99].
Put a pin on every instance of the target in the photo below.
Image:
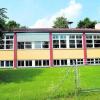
[51, 49]
[15, 50]
[84, 48]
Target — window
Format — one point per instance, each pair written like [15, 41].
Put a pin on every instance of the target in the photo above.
[79, 43]
[79, 37]
[55, 37]
[72, 37]
[62, 37]
[21, 63]
[9, 42]
[28, 63]
[90, 61]
[45, 62]
[56, 62]
[45, 44]
[8, 63]
[1, 63]
[20, 45]
[63, 62]
[28, 45]
[79, 61]
[24, 45]
[38, 44]
[89, 41]
[2, 44]
[72, 43]
[55, 43]
[38, 62]
[72, 61]
[96, 43]
[62, 43]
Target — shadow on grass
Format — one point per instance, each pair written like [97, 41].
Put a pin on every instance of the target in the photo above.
[19, 75]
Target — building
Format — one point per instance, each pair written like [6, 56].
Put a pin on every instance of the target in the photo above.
[46, 47]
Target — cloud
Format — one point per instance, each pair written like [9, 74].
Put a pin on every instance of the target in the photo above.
[70, 12]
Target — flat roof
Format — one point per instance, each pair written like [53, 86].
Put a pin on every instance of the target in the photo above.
[55, 30]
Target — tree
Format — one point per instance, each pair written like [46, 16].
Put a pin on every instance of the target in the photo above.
[61, 22]
[12, 25]
[86, 23]
[3, 18]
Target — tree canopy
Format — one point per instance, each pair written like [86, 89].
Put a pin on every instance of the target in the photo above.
[12, 25]
[3, 18]
[86, 23]
[61, 22]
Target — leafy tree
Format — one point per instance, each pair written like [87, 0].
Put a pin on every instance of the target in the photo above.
[61, 22]
[12, 25]
[86, 23]
[3, 18]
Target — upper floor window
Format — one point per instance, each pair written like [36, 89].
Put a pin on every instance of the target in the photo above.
[45, 44]
[24, 45]
[89, 41]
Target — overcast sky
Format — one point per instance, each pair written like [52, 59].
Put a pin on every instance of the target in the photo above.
[42, 13]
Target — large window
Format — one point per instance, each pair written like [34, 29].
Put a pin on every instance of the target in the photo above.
[1, 63]
[59, 41]
[7, 42]
[96, 43]
[72, 41]
[45, 44]
[24, 45]
[38, 44]
[90, 61]
[56, 62]
[38, 62]
[28, 62]
[9, 63]
[55, 43]
[89, 41]
[62, 43]
[21, 63]
[72, 61]
[2, 44]
[45, 62]
[41, 44]
[41, 62]
[79, 61]
[79, 41]
[63, 62]
[28, 45]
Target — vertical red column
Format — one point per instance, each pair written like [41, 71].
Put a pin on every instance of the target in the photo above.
[15, 50]
[84, 48]
[51, 49]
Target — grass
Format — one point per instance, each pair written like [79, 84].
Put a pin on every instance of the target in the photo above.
[49, 83]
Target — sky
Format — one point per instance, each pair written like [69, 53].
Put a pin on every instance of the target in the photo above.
[42, 13]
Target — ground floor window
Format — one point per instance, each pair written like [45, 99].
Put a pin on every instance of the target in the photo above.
[2, 63]
[72, 61]
[21, 63]
[56, 62]
[28, 62]
[41, 62]
[45, 62]
[9, 63]
[79, 61]
[38, 63]
[63, 62]
[90, 61]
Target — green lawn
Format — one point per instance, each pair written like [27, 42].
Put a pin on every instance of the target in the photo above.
[49, 83]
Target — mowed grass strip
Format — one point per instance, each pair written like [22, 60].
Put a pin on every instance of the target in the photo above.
[48, 83]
